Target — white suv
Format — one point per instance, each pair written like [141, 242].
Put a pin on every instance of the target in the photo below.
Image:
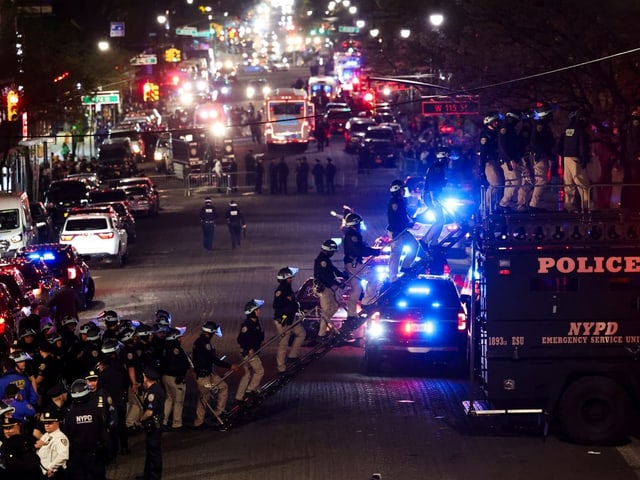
[96, 235]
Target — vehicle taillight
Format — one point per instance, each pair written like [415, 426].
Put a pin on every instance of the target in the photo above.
[105, 236]
[3, 325]
[407, 328]
[462, 321]
[66, 237]
[72, 273]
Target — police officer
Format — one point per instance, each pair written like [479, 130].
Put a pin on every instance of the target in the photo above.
[575, 149]
[235, 222]
[399, 224]
[208, 222]
[53, 447]
[204, 359]
[354, 250]
[175, 365]
[630, 143]
[111, 321]
[510, 156]
[327, 278]
[91, 351]
[285, 310]
[88, 437]
[250, 341]
[542, 144]
[151, 419]
[489, 163]
[136, 361]
[14, 368]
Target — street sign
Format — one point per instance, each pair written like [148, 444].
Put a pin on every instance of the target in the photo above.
[345, 29]
[102, 97]
[450, 107]
[187, 31]
[117, 29]
[203, 33]
[144, 59]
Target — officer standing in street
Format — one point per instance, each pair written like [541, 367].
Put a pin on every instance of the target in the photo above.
[235, 222]
[354, 250]
[153, 408]
[88, 437]
[285, 310]
[204, 359]
[208, 222]
[327, 278]
[53, 447]
[175, 365]
[399, 224]
[250, 341]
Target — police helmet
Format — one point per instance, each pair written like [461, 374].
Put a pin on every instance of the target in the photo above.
[352, 219]
[27, 332]
[329, 246]
[46, 326]
[396, 186]
[79, 389]
[252, 306]
[543, 113]
[19, 356]
[144, 331]
[491, 117]
[109, 317]
[207, 200]
[443, 153]
[513, 115]
[212, 328]
[110, 345]
[69, 320]
[160, 328]
[4, 408]
[163, 317]
[127, 335]
[286, 273]
[174, 334]
[93, 334]
[233, 203]
[53, 338]
[84, 328]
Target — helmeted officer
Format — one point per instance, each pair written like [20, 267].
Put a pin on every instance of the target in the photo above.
[354, 250]
[53, 447]
[400, 222]
[91, 351]
[510, 155]
[489, 162]
[235, 222]
[575, 149]
[250, 341]
[542, 144]
[175, 365]
[14, 372]
[151, 419]
[111, 321]
[327, 279]
[88, 437]
[204, 359]
[208, 222]
[285, 311]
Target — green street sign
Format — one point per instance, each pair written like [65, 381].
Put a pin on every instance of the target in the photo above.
[111, 97]
[186, 31]
[345, 29]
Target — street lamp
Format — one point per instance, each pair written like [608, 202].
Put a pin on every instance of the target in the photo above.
[405, 33]
[103, 45]
[436, 19]
[374, 32]
[360, 23]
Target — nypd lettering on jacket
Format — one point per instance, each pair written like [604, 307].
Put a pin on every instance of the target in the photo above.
[612, 264]
[84, 419]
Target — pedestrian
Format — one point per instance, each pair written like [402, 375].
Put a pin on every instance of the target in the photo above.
[151, 420]
[86, 429]
[298, 172]
[53, 447]
[250, 341]
[355, 249]
[235, 222]
[285, 311]
[208, 222]
[14, 371]
[327, 278]
[66, 302]
[318, 176]
[575, 149]
[321, 134]
[249, 167]
[330, 174]
[399, 224]
[259, 176]
[273, 176]
[283, 175]
[175, 365]
[204, 359]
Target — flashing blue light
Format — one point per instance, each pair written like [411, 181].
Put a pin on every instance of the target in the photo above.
[407, 249]
[430, 216]
[429, 328]
[419, 290]
[402, 304]
[451, 204]
[436, 304]
[43, 255]
[363, 226]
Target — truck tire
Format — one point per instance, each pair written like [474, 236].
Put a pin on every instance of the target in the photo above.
[594, 410]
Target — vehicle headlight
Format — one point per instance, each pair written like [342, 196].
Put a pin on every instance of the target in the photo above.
[251, 92]
[16, 238]
[157, 156]
[218, 129]
[266, 90]
[375, 330]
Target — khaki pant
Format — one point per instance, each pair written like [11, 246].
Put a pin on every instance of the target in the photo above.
[404, 239]
[328, 306]
[253, 373]
[540, 171]
[513, 195]
[205, 385]
[134, 409]
[356, 274]
[174, 401]
[493, 173]
[283, 344]
[576, 181]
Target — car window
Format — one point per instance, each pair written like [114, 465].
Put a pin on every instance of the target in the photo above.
[9, 219]
[380, 134]
[338, 114]
[359, 127]
[86, 224]
[66, 189]
[106, 196]
[136, 190]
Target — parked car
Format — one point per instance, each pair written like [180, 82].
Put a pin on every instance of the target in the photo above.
[127, 220]
[17, 228]
[354, 131]
[422, 318]
[67, 266]
[43, 221]
[336, 118]
[115, 160]
[62, 196]
[37, 275]
[398, 133]
[90, 178]
[378, 148]
[142, 200]
[10, 314]
[107, 195]
[96, 235]
[17, 285]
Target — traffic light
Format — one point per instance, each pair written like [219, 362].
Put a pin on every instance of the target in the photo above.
[172, 55]
[13, 99]
[155, 92]
[146, 91]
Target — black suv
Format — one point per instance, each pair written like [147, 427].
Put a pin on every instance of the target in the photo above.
[421, 317]
[378, 148]
[115, 160]
[62, 196]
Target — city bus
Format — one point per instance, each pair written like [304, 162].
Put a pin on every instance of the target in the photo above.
[289, 118]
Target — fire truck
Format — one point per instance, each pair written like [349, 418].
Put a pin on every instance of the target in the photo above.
[289, 118]
[556, 303]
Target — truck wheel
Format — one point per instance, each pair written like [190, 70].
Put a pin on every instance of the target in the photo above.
[594, 410]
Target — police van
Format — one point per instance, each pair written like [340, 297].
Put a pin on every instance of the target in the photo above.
[17, 229]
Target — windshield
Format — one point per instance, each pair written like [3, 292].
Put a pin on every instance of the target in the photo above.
[86, 224]
[359, 127]
[290, 108]
[107, 196]
[118, 152]
[9, 219]
[67, 191]
[380, 134]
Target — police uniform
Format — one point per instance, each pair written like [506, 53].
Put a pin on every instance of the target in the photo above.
[132, 359]
[542, 142]
[204, 358]
[89, 356]
[285, 308]
[399, 223]
[207, 220]
[250, 340]
[510, 155]
[575, 149]
[54, 452]
[175, 367]
[326, 276]
[354, 251]
[235, 222]
[153, 401]
[490, 165]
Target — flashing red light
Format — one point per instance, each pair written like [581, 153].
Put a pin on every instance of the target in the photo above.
[447, 129]
[72, 273]
[355, 80]
[407, 328]
[462, 321]
[3, 325]
[175, 80]
[368, 97]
